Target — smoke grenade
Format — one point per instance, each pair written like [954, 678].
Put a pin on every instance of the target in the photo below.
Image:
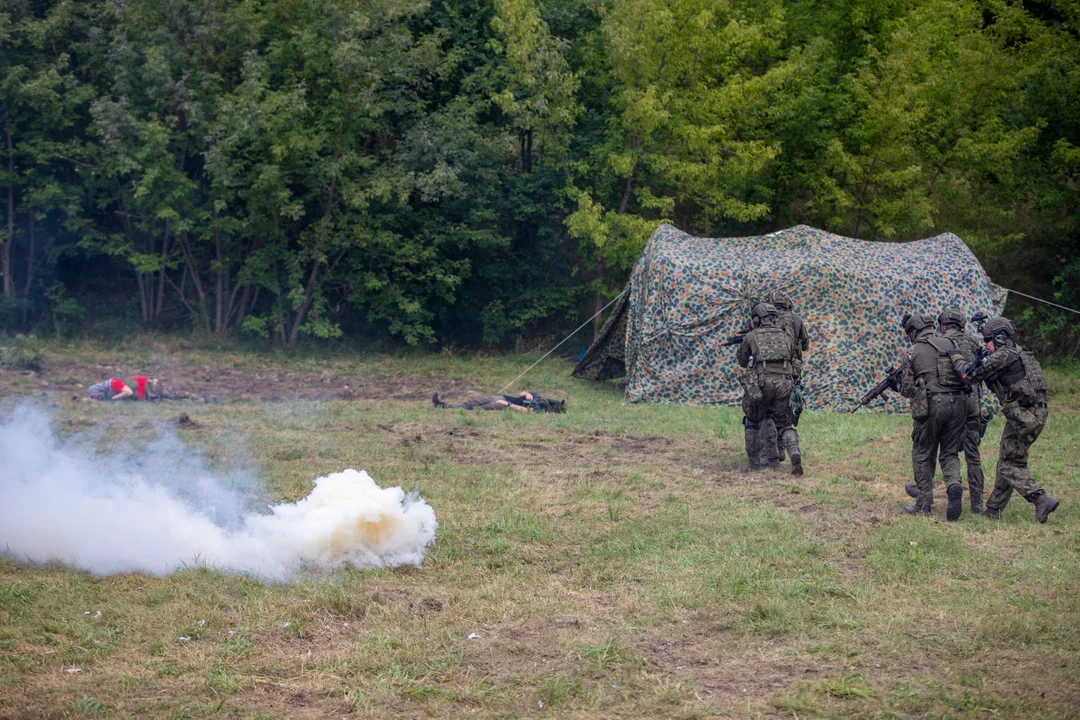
[106, 513]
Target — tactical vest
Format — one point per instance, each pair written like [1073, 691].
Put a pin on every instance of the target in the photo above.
[1007, 382]
[787, 323]
[965, 342]
[773, 350]
[944, 378]
[1029, 389]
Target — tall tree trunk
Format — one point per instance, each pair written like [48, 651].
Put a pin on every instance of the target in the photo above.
[5, 255]
[189, 267]
[31, 253]
[145, 300]
[161, 273]
[30, 256]
[219, 290]
[301, 312]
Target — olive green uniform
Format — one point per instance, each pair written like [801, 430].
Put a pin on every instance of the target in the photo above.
[768, 388]
[771, 442]
[938, 412]
[972, 438]
[1014, 375]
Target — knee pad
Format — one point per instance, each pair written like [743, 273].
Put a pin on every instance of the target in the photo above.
[750, 425]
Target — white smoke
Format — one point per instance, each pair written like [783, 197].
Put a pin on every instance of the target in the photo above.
[163, 510]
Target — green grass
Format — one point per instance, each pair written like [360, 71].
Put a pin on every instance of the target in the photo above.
[610, 562]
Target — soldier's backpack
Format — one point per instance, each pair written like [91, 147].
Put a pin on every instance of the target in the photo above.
[773, 344]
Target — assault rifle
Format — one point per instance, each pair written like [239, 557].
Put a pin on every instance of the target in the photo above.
[542, 404]
[981, 356]
[737, 338]
[891, 382]
[979, 319]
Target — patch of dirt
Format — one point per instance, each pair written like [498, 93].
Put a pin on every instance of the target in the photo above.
[724, 673]
[221, 384]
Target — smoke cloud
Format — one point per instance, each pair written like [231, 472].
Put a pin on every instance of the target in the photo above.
[162, 509]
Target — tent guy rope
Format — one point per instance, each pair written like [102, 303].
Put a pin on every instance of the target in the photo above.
[1047, 302]
[564, 340]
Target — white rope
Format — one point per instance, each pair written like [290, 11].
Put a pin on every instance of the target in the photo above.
[1032, 297]
[564, 340]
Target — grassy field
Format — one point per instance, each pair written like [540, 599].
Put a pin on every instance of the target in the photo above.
[610, 562]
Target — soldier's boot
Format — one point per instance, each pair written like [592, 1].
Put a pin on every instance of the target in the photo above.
[790, 439]
[779, 449]
[770, 440]
[752, 439]
[912, 490]
[956, 502]
[916, 510]
[990, 514]
[1044, 505]
[436, 401]
[976, 503]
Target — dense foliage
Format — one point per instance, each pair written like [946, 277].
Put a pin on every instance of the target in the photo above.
[478, 171]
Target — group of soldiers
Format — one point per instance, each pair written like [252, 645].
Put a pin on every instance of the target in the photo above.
[941, 372]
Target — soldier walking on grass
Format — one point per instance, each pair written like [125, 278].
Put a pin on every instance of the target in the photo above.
[1015, 377]
[951, 323]
[938, 413]
[788, 320]
[767, 353]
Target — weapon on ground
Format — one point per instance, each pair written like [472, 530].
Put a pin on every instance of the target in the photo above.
[979, 319]
[737, 338]
[891, 382]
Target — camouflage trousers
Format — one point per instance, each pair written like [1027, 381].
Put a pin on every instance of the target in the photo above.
[772, 445]
[972, 457]
[772, 398]
[1022, 428]
[935, 439]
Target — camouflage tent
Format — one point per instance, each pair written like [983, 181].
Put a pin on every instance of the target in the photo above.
[687, 295]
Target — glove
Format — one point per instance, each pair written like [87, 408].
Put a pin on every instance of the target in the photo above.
[894, 383]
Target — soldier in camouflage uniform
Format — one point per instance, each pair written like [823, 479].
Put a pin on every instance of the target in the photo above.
[767, 353]
[789, 320]
[1013, 374]
[951, 323]
[938, 412]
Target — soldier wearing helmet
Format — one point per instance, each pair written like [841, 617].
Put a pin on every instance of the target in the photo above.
[951, 324]
[789, 320]
[767, 353]
[938, 413]
[1015, 377]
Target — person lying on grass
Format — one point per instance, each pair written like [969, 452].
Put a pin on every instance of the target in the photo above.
[524, 402]
[146, 388]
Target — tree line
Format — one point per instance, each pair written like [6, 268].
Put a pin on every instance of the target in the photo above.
[474, 172]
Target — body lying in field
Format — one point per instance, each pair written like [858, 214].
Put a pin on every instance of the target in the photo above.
[524, 401]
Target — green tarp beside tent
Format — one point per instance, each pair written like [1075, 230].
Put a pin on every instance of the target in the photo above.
[687, 295]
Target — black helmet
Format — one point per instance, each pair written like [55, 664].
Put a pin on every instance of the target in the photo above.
[951, 316]
[917, 322]
[997, 327]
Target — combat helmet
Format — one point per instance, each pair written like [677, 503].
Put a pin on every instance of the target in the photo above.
[917, 322]
[951, 316]
[999, 327]
[780, 299]
[761, 311]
